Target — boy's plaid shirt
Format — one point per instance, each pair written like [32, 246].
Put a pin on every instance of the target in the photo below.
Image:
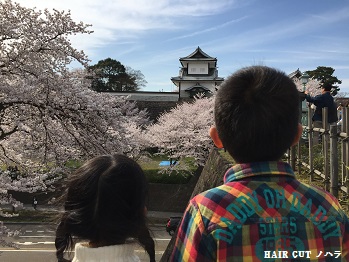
[262, 208]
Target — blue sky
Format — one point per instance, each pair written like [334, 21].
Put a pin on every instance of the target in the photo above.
[151, 35]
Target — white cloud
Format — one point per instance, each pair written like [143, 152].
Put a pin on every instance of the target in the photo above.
[210, 29]
[132, 15]
[124, 21]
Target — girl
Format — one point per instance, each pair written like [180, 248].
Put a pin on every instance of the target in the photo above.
[105, 208]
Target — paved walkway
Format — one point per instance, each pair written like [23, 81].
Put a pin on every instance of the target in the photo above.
[159, 217]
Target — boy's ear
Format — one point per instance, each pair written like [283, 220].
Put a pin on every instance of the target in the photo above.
[215, 138]
[298, 135]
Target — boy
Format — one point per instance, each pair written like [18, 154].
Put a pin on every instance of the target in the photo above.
[262, 212]
[325, 99]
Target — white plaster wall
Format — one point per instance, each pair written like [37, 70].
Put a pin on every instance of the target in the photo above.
[197, 68]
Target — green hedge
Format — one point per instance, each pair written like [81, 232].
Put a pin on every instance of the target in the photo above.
[153, 176]
[151, 170]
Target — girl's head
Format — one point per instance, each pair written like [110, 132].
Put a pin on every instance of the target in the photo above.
[105, 204]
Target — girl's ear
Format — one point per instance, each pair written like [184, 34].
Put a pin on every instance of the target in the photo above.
[215, 138]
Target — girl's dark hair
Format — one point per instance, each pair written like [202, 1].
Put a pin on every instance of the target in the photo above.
[105, 204]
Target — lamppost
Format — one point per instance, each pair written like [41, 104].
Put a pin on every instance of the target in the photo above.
[304, 79]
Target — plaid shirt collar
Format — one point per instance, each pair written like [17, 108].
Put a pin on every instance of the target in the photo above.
[241, 171]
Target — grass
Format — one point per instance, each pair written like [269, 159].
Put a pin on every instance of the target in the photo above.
[73, 164]
[152, 170]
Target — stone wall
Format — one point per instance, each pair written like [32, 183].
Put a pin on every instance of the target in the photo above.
[156, 108]
[213, 173]
[174, 198]
[170, 198]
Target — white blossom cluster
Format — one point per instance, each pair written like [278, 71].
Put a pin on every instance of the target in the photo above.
[312, 87]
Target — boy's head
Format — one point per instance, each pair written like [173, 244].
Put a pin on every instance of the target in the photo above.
[326, 87]
[256, 114]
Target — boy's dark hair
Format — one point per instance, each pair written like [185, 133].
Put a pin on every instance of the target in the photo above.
[256, 114]
[105, 205]
[327, 86]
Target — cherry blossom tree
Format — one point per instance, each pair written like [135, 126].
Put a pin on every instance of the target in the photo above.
[312, 87]
[65, 121]
[184, 131]
[47, 113]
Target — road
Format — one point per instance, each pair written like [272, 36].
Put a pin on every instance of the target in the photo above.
[36, 244]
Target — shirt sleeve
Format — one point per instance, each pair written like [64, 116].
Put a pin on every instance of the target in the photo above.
[191, 242]
[345, 245]
[316, 100]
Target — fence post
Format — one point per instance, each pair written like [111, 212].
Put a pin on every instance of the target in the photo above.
[310, 143]
[300, 117]
[334, 159]
[293, 157]
[299, 156]
[346, 148]
[343, 148]
[325, 147]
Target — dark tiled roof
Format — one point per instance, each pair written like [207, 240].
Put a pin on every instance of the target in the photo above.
[197, 85]
[197, 78]
[198, 54]
[295, 74]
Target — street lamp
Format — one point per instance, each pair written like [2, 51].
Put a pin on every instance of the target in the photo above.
[304, 79]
